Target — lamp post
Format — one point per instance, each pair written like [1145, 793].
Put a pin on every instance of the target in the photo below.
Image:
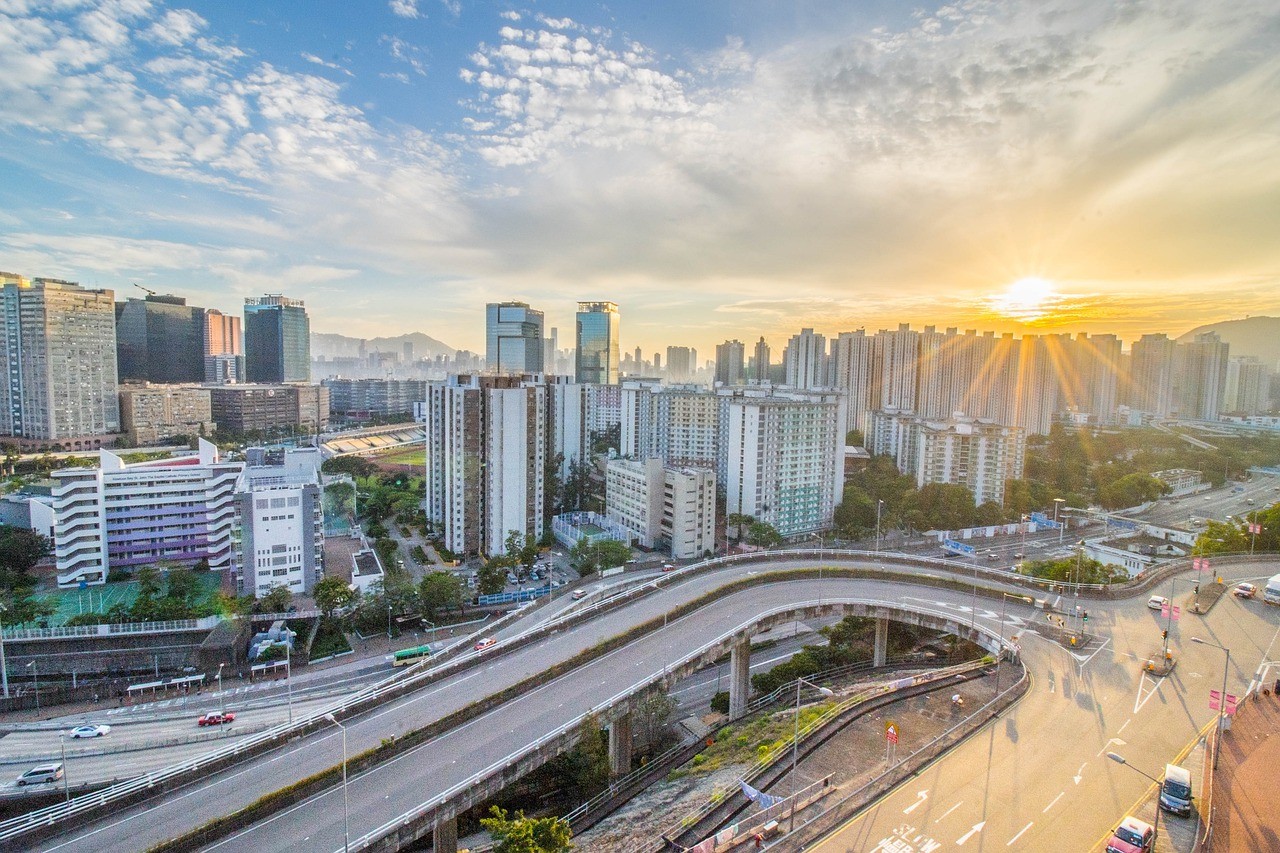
[35, 671]
[222, 702]
[1004, 598]
[879, 506]
[4, 667]
[388, 621]
[66, 774]
[1023, 560]
[346, 822]
[1222, 697]
[1155, 827]
[795, 743]
[1057, 502]
[288, 674]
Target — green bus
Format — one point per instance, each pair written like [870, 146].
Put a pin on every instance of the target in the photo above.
[405, 657]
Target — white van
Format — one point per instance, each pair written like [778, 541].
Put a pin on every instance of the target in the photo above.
[1175, 790]
[1271, 595]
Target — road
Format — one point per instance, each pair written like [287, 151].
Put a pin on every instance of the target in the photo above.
[1089, 706]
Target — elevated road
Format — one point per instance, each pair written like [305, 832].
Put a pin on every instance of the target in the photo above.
[1066, 715]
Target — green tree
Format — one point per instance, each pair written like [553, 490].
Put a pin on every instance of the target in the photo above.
[590, 557]
[1131, 490]
[762, 534]
[20, 550]
[520, 834]
[277, 600]
[332, 593]
[491, 579]
[439, 591]
[183, 587]
[521, 549]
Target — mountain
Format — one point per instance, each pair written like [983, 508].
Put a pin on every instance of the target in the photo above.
[339, 346]
[1255, 336]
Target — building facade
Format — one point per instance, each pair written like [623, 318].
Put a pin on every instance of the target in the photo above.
[159, 339]
[598, 353]
[663, 506]
[280, 513]
[277, 339]
[731, 368]
[980, 455]
[154, 413]
[284, 409]
[513, 338]
[364, 399]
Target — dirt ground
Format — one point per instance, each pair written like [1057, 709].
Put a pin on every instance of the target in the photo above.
[853, 756]
[1246, 799]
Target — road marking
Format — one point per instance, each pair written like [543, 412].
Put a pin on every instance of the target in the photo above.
[1126, 723]
[1052, 803]
[1114, 740]
[1080, 773]
[921, 797]
[977, 827]
[1009, 843]
[949, 811]
[1140, 700]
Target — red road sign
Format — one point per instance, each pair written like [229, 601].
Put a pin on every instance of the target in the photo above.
[891, 732]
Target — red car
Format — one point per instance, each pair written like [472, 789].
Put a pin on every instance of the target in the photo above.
[213, 718]
[485, 643]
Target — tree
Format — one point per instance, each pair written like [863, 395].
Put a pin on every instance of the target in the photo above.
[521, 549]
[20, 550]
[588, 557]
[491, 579]
[439, 591]
[520, 834]
[183, 587]
[762, 534]
[275, 601]
[332, 593]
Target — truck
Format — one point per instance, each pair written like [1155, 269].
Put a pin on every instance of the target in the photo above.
[1271, 595]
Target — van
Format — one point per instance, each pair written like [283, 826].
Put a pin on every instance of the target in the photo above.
[1175, 790]
[40, 774]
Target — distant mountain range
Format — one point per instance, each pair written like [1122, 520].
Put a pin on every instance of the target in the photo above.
[341, 346]
[1255, 336]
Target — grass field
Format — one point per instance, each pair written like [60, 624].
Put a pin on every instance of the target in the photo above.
[100, 599]
[415, 455]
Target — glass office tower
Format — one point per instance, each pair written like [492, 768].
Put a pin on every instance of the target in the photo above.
[277, 340]
[513, 338]
[598, 353]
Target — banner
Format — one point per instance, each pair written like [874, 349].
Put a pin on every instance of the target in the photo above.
[761, 799]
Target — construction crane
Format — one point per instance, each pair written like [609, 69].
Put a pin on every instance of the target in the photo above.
[147, 289]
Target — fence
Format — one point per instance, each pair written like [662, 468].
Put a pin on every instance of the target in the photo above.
[107, 629]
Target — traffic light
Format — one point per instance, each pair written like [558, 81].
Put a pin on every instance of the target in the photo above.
[1164, 635]
[1086, 616]
[1197, 589]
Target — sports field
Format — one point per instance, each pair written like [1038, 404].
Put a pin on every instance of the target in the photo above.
[100, 599]
[415, 455]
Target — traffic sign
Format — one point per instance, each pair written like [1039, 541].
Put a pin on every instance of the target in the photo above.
[891, 731]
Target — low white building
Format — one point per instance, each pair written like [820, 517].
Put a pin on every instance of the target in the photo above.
[281, 522]
[663, 506]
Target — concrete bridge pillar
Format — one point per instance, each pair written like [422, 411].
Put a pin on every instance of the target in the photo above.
[444, 836]
[882, 642]
[739, 678]
[620, 746]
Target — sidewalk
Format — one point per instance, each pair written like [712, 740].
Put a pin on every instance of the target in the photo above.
[1246, 798]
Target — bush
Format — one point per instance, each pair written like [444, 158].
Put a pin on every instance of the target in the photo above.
[720, 702]
[330, 640]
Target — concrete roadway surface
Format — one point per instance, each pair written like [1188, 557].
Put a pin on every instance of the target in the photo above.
[1038, 778]
[1108, 697]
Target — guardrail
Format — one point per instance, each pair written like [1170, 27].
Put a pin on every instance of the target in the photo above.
[108, 629]
[401, 683]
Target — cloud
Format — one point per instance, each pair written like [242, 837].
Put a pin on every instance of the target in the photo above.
[404, 8]
[407, 52]
[315, 60]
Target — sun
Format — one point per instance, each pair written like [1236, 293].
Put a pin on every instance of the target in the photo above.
[1026, 299]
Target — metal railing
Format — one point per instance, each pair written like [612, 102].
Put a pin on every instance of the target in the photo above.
[108, 629]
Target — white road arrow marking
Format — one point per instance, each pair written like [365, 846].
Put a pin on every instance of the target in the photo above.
[922, 795]
[1080, 773]
[1107, 745]
[977, 827]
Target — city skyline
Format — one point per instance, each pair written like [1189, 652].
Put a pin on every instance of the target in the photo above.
[748, 171]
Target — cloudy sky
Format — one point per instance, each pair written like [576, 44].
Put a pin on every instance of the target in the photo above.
[724, 168]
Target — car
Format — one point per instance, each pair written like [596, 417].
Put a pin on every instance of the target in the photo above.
[216, 718]
[1245, 590]
[1019, 556]
[90, 730]
[487, 642]
[668, 567]
[579, 594]
[1131, 836]
[40, 774]
[993, 556]
[1157, 602]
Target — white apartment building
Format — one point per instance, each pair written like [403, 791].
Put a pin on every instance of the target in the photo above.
[977, 454]
[281, 518]
[665, 506]
[516, 435]
[804, 361]
[124, 516]
[783, 457]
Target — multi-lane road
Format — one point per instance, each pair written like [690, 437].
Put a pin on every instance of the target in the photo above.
[1018, 779]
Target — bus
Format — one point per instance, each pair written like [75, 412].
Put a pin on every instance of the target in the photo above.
[405, 657]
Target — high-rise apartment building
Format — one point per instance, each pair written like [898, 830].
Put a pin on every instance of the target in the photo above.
[597, 357]
[279, 409]
[159, 339]
[277, 339]
[128, 515]
[57, 362]
[896, 358]
[760, 362]
[851, 354]
[978, 454]
[680, 364]
[805, 360]
[365, 399]
[783, 458]
[1248, 387]
[1151, 375]
[223, 347]
[1201, 376]
[513, 338]
[153, 413]
[731, 366]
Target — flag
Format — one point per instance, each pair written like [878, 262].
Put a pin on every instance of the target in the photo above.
[1255, 529]
[761, 799]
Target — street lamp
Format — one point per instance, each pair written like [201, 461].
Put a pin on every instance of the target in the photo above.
[1057, 502]
[222, 703]
[1155, 828]
[388, 621]
[879, 506]
[1023, 561]
[795, 743]
[288, 673]
[346, 822]
[35, 670]
[1004, 598]
[1222, 697]
[66, 774]
[4, 667]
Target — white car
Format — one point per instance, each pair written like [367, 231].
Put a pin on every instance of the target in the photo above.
[90, 730]
[1157, 602]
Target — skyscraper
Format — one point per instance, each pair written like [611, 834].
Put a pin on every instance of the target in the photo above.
[1150, 386]
[597, 339]
[1201, 376]
[222, 346]
[277, 339]
[730, 366]
[805, 360]
[57, 360]
[513, 338]
[159, 339]
[760, 362]
[680, 364]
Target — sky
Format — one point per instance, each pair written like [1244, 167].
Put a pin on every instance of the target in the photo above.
[721, 169]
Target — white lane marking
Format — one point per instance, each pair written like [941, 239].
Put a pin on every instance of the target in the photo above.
[1009, 843]
[1140, 700]
[921, 797]
[977, 827]
[1122, 728]
[949, 811]
[1106, 745]
[1052, 802]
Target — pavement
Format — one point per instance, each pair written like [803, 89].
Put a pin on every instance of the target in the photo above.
[1246, 798]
